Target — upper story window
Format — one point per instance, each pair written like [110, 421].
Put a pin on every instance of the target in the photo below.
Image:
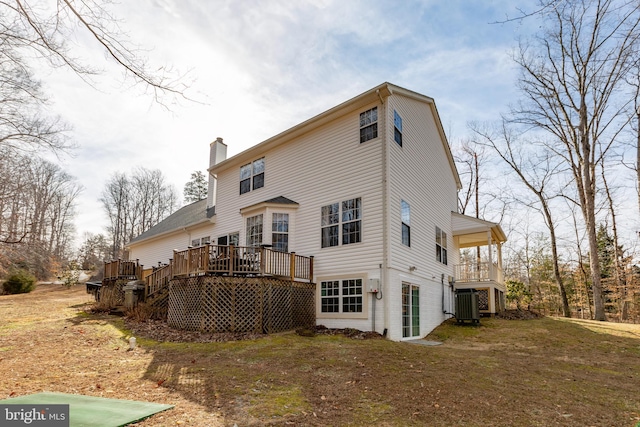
[342, 219]
[280, 232]
[405, 213]
[252, 176]
[369, 125]
[441, 246]
[397, 128]
[254, 230]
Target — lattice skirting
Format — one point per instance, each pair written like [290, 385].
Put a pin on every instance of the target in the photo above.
[237, 304]
[159, 304]
[111, 293]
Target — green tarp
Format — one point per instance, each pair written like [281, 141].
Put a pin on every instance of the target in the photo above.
[89, 411]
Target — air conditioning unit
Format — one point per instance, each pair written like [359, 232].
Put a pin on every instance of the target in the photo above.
[467, 302]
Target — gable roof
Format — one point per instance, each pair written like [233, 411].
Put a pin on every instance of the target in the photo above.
[186, 216]
[379, 92]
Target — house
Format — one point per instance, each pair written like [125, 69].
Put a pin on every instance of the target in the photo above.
[369, 190]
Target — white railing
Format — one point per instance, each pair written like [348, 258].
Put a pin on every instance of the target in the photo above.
[478, 272]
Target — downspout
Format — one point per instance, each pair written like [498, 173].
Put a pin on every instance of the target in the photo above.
[384, 273]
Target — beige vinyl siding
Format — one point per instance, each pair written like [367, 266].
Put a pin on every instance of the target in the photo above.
[324, 166]
[421, 175]
[161, 249]
[158, 250]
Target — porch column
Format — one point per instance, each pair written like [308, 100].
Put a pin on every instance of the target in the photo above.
[500, 270]
[489, 245]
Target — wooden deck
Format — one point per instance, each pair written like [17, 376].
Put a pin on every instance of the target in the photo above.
[120, 269]
[216, 260]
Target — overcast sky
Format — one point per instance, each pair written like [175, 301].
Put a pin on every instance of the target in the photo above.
[261, 67]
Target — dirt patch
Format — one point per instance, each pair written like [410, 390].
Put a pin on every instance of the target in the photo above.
[543, 372]
[348, 332]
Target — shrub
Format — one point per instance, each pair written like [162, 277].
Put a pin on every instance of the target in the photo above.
[19, 282]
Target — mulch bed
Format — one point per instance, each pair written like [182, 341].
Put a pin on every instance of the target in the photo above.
[159, 330]
[518, 315]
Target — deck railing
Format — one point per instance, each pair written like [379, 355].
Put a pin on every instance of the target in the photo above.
[122, 269]
[158, 279]
[241, 260]
[216, 259]
[478, 272]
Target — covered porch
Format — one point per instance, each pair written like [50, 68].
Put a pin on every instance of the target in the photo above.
[480, 269]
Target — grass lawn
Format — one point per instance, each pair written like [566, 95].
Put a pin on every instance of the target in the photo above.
[542, 372]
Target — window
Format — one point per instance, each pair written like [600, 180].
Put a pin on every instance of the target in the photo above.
[441, 246]
[229, 239]
[330, 296]
[397, 128]
[201, 241]
[342, 218]
[405, 213]
[254, 230]
[330, 227]
[352, 296]
[252, 176]
[280, 232]
[351, 213]
[369, 125]
[341, 296]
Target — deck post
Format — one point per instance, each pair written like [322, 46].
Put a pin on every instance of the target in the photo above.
[263, 252]
[311, 269]
[174, 260]
[232, 257]
[292, 266]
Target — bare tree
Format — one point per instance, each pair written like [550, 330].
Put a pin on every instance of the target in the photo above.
[94, 250]
[538, 171]
[573, 85]
[37, 201]
[32, 29]
[134, 204]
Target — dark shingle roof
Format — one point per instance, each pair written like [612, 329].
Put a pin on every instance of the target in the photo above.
[185, 216]
[281, 200]
[192, 214]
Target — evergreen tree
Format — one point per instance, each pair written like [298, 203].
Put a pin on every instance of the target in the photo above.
[196, 189]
